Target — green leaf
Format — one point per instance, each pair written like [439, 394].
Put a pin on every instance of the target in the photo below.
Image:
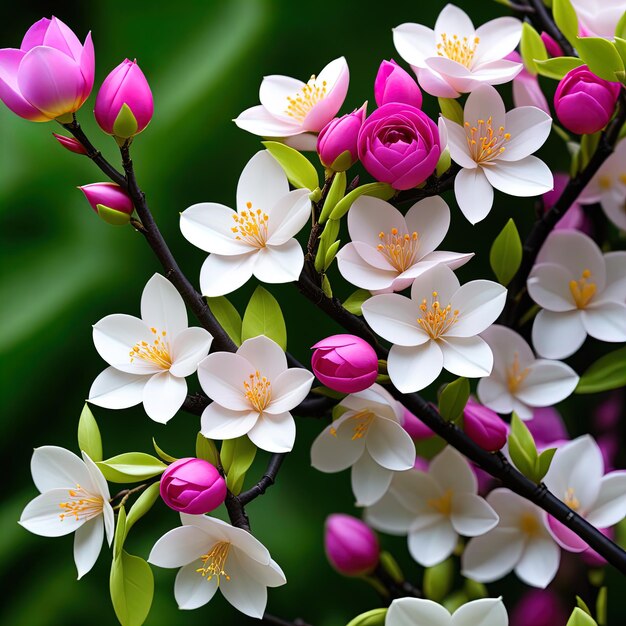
[142, 505]
[532, 48]
[588, 145]
[523, 450]
[335, 194]
[237, 456]
[566, 19]
[207, 450]
[620, 46]
[451, 110]
[620, 29]
[163, 455]
[131, 467]
[601, 56]
[355, 301]
[125, 124]
[112, 216]
[227, 316]
[505, 256]
[89, 439]
[608, 372]
[557, 68]
[375, 617]
[120, 532]
[375, 190]
[264, 317]
[542, 464]
[601, 606]
[444, 163]
[132, 588]
[297, 167]
[521, 432]
[326, 240]
[326, 288]
[580, 603]
[453, 399]
[524, 463]
[331, 253]
[580, 618]
[438, 580]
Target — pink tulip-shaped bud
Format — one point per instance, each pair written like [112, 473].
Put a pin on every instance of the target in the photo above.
[540, 607]
[192, 486]
[575, 217]
[110, 202]
[415, 427]
[606, 417]
[583, 102]
[71, 144]
[50, 76]
[124, 104]
[337, 143]
[345, 363]
[553, 48]
[393, 84]
[351, 546]
[484, 426]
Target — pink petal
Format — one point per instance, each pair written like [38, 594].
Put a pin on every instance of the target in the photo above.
[10, 94]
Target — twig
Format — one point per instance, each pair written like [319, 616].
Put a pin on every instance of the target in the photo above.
[434, 187]
[544, 21]
[266, 481]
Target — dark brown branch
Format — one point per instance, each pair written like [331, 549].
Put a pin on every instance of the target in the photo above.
[434, 187]
[543, 21]
[266, 481]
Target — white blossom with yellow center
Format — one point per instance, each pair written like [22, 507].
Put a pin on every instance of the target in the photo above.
[433, 508]
[213, 555]
[436, 328]
[74, 498]
[519, 382]
[149, 357]
[252, 392]
[421, 612]
[256, 239]
[581, 291]
[369, 438]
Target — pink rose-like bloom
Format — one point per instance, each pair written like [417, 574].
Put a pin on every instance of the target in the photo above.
[337, 143]
[540, 607]
[351, 546]
[125, 85]
[50, 75]
[71, 144]
[484, 426]
[399, 145]
[345, 363]
[393, 84]
[583, 102]
[109, 195]
[575, 217]
[192, 486]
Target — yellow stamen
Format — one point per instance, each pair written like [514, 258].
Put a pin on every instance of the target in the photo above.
[442, 504]
[514, 375]
[484, 142]
[461, 50]
[363, 420]
[571, 500]
[157, 353]
[300, 104]
[258, 390]
[82, 505]
[582, 290]
[214, 563]
[399, 249]
[251, 226]
[605, 182]
[529, 525]
[436, 320]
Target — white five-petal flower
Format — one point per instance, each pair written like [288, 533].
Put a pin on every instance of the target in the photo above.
[518, 381]
[420, 612]
[252, 392]
[582, 292]
[74, 498]
[150, 357]
[433, 508]
[598, 18]
[494, 148]
[520, 541]
[257, 239]
[456, 58]
[389, 250]
[369, 437]
[214, 555]
[437, 328]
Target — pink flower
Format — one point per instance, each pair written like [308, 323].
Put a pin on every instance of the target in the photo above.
[399, 145]
[351, 545]
[51, 74]
[539, 607]
[484, 426]
[393, 84]
[575, 217]
[109, 201]
[526, 89]
[547, 427]
[415, 427]
[553, 48]
[71, 144]
[192, 486]
[337, 143]
[345, 363]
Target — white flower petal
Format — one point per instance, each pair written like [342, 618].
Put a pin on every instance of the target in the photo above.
[466, 356]
[415, 367]
[87, 545]
[265, 355]
[615, 288]
[279, 264]
[289, 389]
[274, 433]
[372, 255]
[370, 216]
[529, 128]
[394, 318]
[613, 207]
[163, 395]
[498, 38]
[479, 303]
[548, 286]
[439, 278]
[494, 394]
[506, 345]
[113, 389]
[471, 515]
[222, 376]
[53, 467]
[456, 75]
[336, 76]
[220, 423]
[369, 480]
[483, 103]
[473, 193]
[451, 471]
[271, 575]
[243, 591]
[493, 555]
[390, 445]
[259, 121]
[610, 505]
[334, 449]
[496, 72]
[454, 21]
[430, 218]
[558, 335]
[606, 321]
[220, 275]
[304, 142]
[414, 43]
[390, 515]
[483, 612]
[453, 260]
[431, 544]
[42, 515]
[98, 483]
[273, 94]
[262, 183]
[356, 270]
[188, 349]
[191, 589]
[180, 546]
[457, 143]
[288, 216]
[547, 383]
[417, 612]
[529, 176]
[163, 308]
[434, 83]
[540, 561]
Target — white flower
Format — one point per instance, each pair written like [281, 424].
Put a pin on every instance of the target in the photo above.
[290, 107]
[520, 541]
[257, 239]
[598, 18]
[389, 250]
[518, 381]
[456, 58]
[252, 392]
[582, 292]
[213, 554]
[74, 498]
[368, 437]
[149, 357]
[419, 612]
[436, 328]
[433, 508]
[494, 148]
[576, 476]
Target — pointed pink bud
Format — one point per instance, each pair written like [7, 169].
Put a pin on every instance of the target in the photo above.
[351, 545]
[540, 607]
[71, 144]
[108, 195]
[415, 427]
[393, 84]
[337, 142]
[553, 48]
[484, 426]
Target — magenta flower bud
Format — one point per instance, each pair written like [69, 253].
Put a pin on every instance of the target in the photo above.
[484, 426]
[192, 486]
[71, 144]
[415, 427]
[399, 145]
[50, 76]
[606, 417]
[547, 427]
[124, 104]
[583, 102]
[109, 201]
[337, 142]
[393, 84]
[540, 607]
[575, 217]
[553, 48]
[345, 363]
[593, 558]
[351, 545]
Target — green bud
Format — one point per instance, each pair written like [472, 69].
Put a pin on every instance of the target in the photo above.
[375, 617]
[391, 567]
[438, 580]
[475, 590]
[315, 195]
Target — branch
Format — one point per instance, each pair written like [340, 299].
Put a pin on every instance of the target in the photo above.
[434, 187]
[266, 481]
[542, 20]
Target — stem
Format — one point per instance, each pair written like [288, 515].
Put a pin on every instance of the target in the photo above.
[125, 494]
[542, 20]
[266, 481]
[435, 187]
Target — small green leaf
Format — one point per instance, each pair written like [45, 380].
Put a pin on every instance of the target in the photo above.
[620, 29]
[505, 256]
[455, 601]
[620, 46]
[580, 618]
[389, 565]
[566, 19]
[522, 449]
[580, 603]
[237, 456]
[520, 457]
[453, 399]
[608, 372]
[374, 190]
[451, 110]
[112, 216]
[521, 432]
[326, 240]
[444, 163]
[375, 617]
[142, 505]
[331, 253]
[297, 167]
[438, 580]
[227, 316]
[125, 125]
[326, 288]
[532, 48]
[89, 439]
[335, 194]
[557, 68]
[601, 57]
[601, 606]
[132, 589]
[355, 301]
[120, 532]
[131, 467]
[264, 317]
[163, 455]
[542, 464]
[588, 145]
[207, 450]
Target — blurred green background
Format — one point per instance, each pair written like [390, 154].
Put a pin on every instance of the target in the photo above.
[63, 270]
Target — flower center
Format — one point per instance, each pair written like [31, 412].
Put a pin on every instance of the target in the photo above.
[399, 249]
[571, 500]
[529, 524]
[82, 505]
[515, 375]
[461, 50]
[582, 290]
[258, 390]
[484, 142]
[214, 562]
[443, 504]
[435, 320]
[157, 352]
[299, 105]
[605, 182]
[251, 226]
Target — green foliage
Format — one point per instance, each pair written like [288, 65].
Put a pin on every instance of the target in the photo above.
[112, 216]
[131, 467]
[375, 190]
[327, 239]
[620, 29]
[141, 506]
[444, 163]
[390, 566]
[566, 19]
[608, 372]
[227, 316]
[355, 300]
[451, 110]
[620, 46]
[375, 617]
[582, 605]
[89, 439]
[237, 456]
[168, 458]
[601, 606]
[580, 618]
[524, 453]
[453, 399]
[557, 68]
[207, 450]
[335, 194]
[601, 56]
[532, 48]
[326, 288]
[438, 580]
[331, 253]
[263, 316]
[132, 587]
[505, 256]
[299, 170]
